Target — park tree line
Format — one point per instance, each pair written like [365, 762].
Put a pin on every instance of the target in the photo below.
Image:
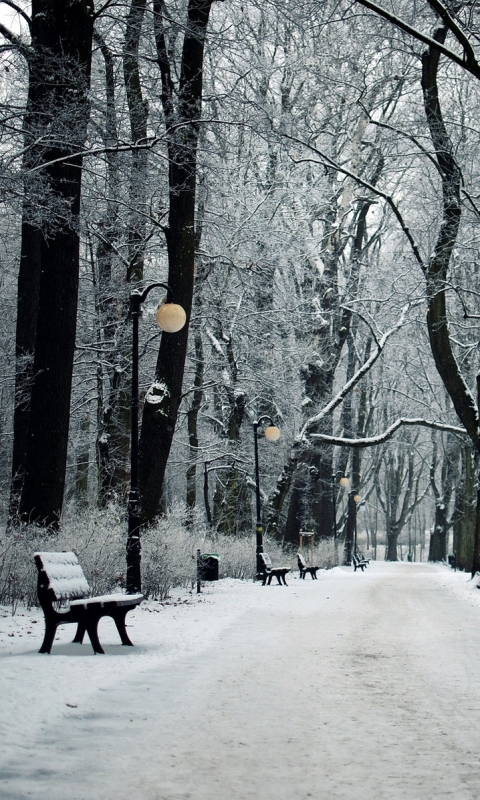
[305, 181]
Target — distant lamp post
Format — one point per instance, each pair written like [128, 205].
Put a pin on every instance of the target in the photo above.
[171, 318]
[272, 433]
[342, 480]
[208, 510]
[357, 499]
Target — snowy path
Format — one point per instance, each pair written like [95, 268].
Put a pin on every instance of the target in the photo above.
[359, 686]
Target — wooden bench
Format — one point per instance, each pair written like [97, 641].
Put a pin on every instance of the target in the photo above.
[359, 562]
[304, 568]
[269, 571]
[60, 579]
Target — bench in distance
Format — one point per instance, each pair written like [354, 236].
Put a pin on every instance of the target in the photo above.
[269, 571]
[359, 562]
[304, 568]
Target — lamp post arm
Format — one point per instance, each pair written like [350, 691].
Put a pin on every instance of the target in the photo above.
[138, 296]
[263, 418]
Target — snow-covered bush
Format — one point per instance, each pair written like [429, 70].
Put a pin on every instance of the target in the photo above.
[169, 551]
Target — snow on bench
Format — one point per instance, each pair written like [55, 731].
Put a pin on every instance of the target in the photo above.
[304, 568]
[359, 561]
[61, 579]
[269, 571]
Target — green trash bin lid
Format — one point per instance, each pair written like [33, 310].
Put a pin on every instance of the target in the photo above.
[210, 555]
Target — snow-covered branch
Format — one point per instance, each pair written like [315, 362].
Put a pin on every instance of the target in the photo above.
[312, 423]
[467, 61]
[372, 441]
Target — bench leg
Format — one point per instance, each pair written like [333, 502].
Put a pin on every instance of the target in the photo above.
[81, 630]
[50, 631]
[284, 581]
[119, 620]
[92, 626]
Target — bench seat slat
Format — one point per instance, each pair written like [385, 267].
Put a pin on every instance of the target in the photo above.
[117, 599]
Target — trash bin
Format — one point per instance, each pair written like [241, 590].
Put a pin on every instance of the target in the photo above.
[207, 566]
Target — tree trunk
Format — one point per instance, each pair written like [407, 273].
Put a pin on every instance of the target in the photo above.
[392, 542]
[58, 105]
[114, 431]
[464, 514]
[437, 267]
[182, 121]
[438, 539]
[349, 530]
[138, 111]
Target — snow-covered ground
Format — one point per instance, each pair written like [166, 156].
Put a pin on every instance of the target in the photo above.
[358, 685]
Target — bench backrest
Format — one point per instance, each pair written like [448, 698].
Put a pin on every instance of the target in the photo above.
[62, 575]
[301, 561]
[267, 561]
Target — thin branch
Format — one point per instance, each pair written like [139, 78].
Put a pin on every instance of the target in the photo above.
[18, 10]
[329, 162]
[15, 40]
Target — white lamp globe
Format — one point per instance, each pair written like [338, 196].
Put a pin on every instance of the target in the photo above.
[171, 317]
[344, 481]
[272, 433]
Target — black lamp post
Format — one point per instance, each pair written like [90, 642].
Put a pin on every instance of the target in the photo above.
[170, 318]
[354, 499]
[205, 493]
[272, 433]
[357, 499]
[337, 477]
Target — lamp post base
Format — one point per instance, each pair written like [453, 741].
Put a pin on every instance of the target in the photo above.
[260, 562]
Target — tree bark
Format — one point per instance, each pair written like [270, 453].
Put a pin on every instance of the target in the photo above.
[138, 111]
[437, 267]
[182, 123]
[464, 514]
[58, 110]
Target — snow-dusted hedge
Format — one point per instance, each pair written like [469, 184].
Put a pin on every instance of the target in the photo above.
[168, 554]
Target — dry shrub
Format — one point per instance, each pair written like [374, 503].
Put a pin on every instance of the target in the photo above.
[168, 553]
